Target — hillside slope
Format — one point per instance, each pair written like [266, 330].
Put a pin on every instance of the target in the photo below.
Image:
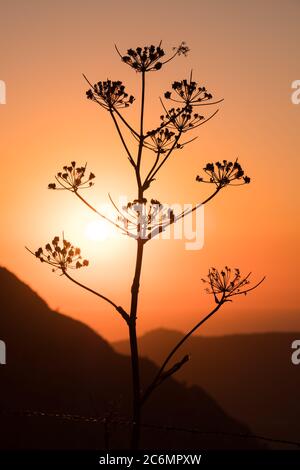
[250, 375]
[58, 366]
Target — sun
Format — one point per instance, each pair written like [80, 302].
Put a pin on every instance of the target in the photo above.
[98, 230]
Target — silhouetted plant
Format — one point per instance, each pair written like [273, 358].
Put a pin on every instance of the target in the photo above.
[141, 219]
[72, 178]
[224, 174]
[227, 283]
[63, 257]
[222, 285]
[110, 95]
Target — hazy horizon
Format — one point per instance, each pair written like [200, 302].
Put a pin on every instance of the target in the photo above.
[218, 326]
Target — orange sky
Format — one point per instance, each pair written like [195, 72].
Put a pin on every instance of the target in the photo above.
[245, 52]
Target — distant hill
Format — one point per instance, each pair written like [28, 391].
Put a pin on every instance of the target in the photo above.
[58, 366]
[250, 375]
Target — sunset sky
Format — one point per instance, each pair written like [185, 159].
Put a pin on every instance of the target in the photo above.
[245, 52]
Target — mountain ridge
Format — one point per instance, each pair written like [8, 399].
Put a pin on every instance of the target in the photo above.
[251, 375]
[57, 365]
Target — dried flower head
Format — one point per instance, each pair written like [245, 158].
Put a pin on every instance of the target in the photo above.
[224, 174]
[161, 140]
[61, 255]
[182, 119]
[188, 92]
[110, 95]
[141, 216]
[148, 58]
[72, 178]
[182, 49]
[227, 283]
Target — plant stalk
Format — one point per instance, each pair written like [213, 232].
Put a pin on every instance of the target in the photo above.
[136, 388]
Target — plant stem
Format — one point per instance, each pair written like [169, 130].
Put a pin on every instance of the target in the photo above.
[141, 142]
[101, 215]
[167, 156]
[122, 138]
[136, 388]
[156, 382]
[136, 399]
[119, 309]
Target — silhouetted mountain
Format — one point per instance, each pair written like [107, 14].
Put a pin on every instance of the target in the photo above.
[250, 375]
[59, 366]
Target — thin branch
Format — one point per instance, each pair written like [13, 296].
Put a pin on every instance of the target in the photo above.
[148, 177]
[167, 156]
[171, 150]
[248, 290]
[184, 214]
[170, 58]
[157, 380]
[126, 216]
[182, 111]
[141, 140]
[206, 120]
[175, 368]
[141, 136]
[125, 122]
[87, 80]
[170, 120]
[118, 51]
[103, 216]
[199, 104]
[142, 105]
[116, 124]
[119, 309]
[161, 228]
[61, 184]
[115, 205]
[208, 104]
[122, 139]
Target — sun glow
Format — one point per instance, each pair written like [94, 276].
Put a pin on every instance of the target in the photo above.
[98, 230]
